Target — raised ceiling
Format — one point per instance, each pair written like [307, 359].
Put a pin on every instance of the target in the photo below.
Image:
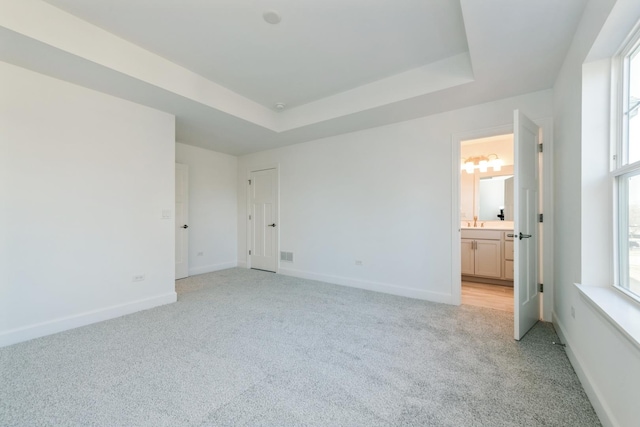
[339, 66]
[319, 48]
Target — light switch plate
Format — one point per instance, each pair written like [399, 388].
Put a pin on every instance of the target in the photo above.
[166, 214]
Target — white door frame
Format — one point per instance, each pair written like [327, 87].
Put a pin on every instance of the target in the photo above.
[250, 170]
[546, 207]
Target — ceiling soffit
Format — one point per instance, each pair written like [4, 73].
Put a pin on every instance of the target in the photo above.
[41, 37]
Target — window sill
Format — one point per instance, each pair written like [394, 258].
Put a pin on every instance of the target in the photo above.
[620, 310]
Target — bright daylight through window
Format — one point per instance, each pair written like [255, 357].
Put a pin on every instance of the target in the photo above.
[627, 174]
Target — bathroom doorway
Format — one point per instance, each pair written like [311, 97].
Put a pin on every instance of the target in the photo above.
[533, 241]
[486, 215]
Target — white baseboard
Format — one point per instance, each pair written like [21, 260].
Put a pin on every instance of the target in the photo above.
[586, 379]
[371, 286]
[242, 264]
[212, 267]
[70, 322]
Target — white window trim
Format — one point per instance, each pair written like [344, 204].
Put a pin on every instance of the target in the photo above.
[619, 166]
[618, 308]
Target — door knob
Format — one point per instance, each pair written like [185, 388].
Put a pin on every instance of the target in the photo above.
[271, 225]
[524, 236]
[185, 226]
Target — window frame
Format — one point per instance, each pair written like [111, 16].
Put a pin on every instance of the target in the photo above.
[620, 168]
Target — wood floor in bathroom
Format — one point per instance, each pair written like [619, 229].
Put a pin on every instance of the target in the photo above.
[489, 296]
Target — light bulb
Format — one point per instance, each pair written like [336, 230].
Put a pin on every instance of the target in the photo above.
[469, 167]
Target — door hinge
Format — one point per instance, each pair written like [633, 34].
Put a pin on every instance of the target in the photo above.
[249, 251]
[540, 148]
[249, 182]
[541, 287]
[541, 218]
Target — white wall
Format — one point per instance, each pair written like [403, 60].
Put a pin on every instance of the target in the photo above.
[84, 179]
[213, 208]
[383, 196]
[607, 363]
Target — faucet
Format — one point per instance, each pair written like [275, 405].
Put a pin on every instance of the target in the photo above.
[475, 220]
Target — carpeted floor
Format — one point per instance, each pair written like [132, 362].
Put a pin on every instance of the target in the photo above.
[244, 347]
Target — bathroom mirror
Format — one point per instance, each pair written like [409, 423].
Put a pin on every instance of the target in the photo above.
[482, 193]
[495, 197]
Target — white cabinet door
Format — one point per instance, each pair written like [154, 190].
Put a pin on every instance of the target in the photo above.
[508, 269]
[468, 255]
[488, 258]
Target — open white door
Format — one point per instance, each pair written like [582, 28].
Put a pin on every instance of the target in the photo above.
[182, 215]
[263, 188]
[525, 282]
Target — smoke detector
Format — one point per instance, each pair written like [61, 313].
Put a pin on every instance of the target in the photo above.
[280, 106]
[272, 17]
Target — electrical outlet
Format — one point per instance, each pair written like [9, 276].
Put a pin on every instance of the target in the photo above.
[573, 312]
[358, 262]
[138, 278]
[200, 254]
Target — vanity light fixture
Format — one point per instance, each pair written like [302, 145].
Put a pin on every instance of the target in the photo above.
[482, 163]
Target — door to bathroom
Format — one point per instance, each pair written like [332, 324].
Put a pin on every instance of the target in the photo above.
[525, 235]
[511, 224]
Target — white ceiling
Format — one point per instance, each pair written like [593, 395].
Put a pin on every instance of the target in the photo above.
[340, 66]
[319, 48]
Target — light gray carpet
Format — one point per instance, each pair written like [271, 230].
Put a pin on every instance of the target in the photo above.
[244, 347]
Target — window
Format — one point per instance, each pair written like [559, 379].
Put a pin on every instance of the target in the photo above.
[626, 172]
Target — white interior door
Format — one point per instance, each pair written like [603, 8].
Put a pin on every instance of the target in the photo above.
[263, 187]
[525, 281]
[182, 216]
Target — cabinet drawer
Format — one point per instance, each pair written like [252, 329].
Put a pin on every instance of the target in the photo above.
[508, 250]
[506, 237]
[481, 234]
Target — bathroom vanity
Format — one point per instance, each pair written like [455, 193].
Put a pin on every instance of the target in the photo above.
[487, 253]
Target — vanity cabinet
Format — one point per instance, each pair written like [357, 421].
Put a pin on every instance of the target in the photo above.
[483, 254]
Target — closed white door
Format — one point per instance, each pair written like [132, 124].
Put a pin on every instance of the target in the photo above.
[525, 281]
[182, 216]
[263, 188]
